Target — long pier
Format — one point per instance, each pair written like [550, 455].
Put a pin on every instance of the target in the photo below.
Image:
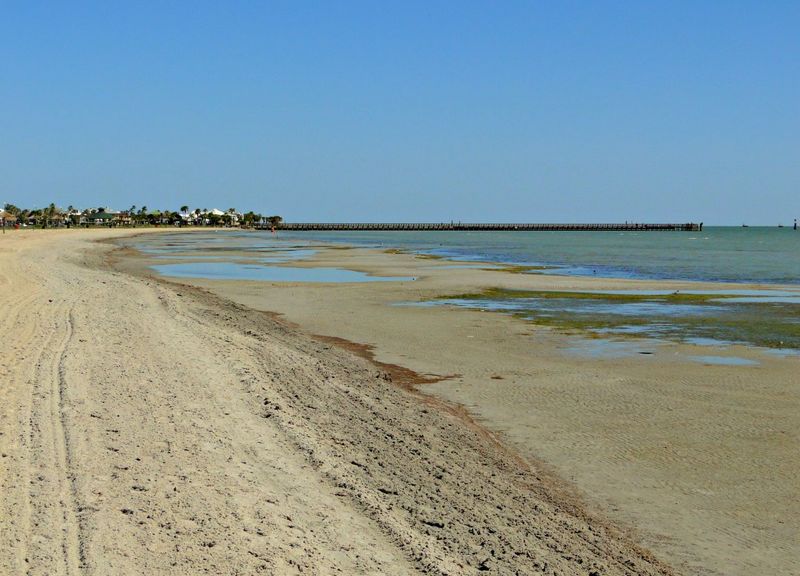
[459, 226]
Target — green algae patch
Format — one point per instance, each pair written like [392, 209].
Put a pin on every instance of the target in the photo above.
[687, 317]
[510, 294]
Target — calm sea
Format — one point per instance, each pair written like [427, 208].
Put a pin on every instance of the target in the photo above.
[735, 254]
[769, 255]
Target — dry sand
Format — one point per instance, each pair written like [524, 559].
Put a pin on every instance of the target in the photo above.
[149, 428]
[701, 462]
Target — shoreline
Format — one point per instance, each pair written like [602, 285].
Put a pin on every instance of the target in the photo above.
[360, 314]
[152, 429]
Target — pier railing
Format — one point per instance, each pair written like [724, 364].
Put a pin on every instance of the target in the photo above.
[497, 227]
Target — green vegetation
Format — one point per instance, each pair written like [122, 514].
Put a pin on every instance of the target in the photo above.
[509, 294]
[54, 217]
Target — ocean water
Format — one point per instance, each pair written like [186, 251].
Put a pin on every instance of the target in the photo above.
[733, 254]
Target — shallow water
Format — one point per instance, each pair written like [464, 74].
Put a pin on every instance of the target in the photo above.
[486, 266]
[604, 348]
[280, 258]
[735, 254]
[783, 352]
[699, 341]
[724, 360]
[545, 306]
[289, 256]
[762, 300]
[237, 271]
[756, 254]
[749, 293]
[715, 323]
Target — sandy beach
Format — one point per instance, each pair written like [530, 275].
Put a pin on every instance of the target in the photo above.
[698, 462]
[150, 428]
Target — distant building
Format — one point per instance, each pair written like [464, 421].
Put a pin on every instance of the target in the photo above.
[7, 219]
[56, 220]
[100, 218]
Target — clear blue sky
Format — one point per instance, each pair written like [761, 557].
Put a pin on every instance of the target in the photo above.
[500, 111]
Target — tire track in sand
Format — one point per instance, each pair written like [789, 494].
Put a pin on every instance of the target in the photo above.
[53, 500]
[14, 425]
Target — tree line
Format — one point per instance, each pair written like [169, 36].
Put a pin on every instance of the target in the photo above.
[51, 216]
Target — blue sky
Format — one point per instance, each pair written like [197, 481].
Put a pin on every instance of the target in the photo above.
[499, 111]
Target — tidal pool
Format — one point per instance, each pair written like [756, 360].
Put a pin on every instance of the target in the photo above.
[602, 348]
[724, 360]
[237, 271]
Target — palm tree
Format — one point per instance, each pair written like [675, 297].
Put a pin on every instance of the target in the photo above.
[184, 209]
[47, 214]
[36, 214]
[74, 219]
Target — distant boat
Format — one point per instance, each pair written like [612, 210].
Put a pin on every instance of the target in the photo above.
[780, 225]
[745, 226]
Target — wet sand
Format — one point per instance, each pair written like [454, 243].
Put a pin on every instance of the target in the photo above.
[698, 461]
